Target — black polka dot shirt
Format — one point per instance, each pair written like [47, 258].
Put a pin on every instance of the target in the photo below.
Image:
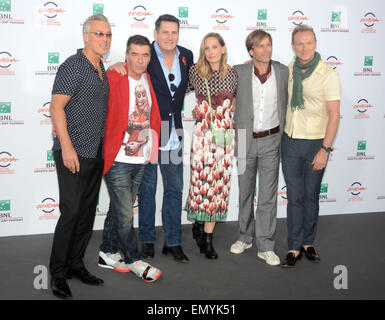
[86, 111]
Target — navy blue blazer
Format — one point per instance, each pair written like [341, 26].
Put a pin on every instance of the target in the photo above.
[170, 104]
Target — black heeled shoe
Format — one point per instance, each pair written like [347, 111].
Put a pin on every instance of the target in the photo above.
[207, 246]
[291, 260]
[197, 231]
[311, 254]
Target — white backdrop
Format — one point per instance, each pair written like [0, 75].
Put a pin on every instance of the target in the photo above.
[37, 36]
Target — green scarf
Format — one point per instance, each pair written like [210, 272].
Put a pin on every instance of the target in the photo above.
[297, 101]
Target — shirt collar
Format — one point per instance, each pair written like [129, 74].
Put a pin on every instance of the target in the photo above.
[160, 54]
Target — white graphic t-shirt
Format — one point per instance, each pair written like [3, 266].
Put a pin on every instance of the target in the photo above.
[136, 146]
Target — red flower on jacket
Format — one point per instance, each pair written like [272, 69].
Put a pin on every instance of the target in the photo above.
[184, 61]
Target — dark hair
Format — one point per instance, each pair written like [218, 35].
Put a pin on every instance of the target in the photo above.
[255, 37]
[138, 40]
[166, 17]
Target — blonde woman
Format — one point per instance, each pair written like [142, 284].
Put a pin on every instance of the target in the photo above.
[215, 85]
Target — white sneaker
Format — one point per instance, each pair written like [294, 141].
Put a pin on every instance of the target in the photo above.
[112, 261]
[270, 257]
[145, 271]
[240, 246]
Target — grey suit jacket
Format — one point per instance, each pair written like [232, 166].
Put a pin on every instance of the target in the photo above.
[244, 111]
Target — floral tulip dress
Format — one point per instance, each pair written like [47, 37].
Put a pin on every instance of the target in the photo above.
[211, 163]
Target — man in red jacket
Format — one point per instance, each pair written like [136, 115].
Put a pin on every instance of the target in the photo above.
[131, 140]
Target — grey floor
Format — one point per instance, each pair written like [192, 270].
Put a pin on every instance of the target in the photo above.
[353, 241]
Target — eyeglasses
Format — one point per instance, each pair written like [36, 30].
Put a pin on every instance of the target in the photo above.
[100, 35]
[171, 77]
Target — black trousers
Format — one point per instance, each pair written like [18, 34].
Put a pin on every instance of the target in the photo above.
[78, 195]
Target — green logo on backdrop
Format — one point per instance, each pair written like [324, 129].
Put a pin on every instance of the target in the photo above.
[5, 205]
[336, 16]
[98, 8]
[53, 57]
[5, 5]
[368, 62]
[50, 155]
[324, 188]
[5, 107]
[262, 14]
[183, 12]
[361, 145]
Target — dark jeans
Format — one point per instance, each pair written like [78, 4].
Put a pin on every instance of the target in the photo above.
[172, 176]
[303, 189]
[123, 180]
[78, 195]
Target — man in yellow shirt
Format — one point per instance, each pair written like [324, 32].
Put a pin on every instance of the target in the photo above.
[312, 121]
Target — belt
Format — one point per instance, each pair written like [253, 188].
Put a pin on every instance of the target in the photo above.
[265, 133]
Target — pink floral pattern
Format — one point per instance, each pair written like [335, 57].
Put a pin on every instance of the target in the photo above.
[211, 164]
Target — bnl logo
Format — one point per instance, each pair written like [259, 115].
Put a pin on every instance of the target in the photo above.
[5, 107]
[5, 205]
[336, 16]
[98, 8]
[361, 148]
[183, 12]
[368, 64]
[5, 5]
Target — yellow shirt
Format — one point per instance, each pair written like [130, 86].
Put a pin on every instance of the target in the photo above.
[322, 85]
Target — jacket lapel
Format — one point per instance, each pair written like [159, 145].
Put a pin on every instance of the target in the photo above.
[158, 71]
[124, 96]
[278, 76]
[249, 82]
[183, 69]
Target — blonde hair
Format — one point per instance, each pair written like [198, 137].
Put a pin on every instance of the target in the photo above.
[203, 66]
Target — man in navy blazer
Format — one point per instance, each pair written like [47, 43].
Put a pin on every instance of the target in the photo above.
[168, 69]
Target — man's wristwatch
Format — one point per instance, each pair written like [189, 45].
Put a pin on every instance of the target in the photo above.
[327, 149]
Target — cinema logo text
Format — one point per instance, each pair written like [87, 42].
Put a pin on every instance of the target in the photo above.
[333, 62]
[50, 13]
[45, 115]
[282, 196]
[139, 15]
[297, 18]
[222, 16]
[48, 208]
[7, 160]
[369, 20]
[355, 191]
[362, 106]
[7, 63]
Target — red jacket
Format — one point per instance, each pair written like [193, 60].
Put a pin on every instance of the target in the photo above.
[117, 118]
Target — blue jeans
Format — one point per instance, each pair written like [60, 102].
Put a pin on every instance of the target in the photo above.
[172, 177]
[123, 180]
[303, 189]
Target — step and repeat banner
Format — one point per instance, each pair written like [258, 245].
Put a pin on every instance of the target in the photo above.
[37, 36]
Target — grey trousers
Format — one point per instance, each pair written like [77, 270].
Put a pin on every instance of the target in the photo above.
[262, 158]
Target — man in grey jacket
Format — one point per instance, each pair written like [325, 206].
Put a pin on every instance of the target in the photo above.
[259, 119]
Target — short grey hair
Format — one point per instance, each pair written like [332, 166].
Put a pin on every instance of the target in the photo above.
[302, 28]
[95, 17]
